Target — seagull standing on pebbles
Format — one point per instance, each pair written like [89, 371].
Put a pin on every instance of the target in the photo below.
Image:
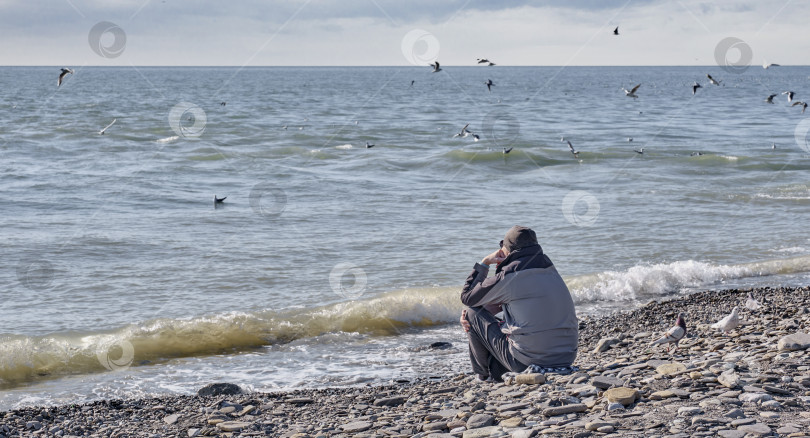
[728, 323]
[65, 72]
[751, 303]
[712, 80]
[436, 67]
[769, 99]
[673, 335]
[631, 93]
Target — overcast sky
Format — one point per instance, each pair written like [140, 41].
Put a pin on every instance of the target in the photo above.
[401, 32]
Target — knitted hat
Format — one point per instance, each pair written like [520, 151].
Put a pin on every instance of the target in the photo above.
[519, 237]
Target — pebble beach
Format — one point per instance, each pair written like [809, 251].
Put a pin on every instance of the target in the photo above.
[751, 381]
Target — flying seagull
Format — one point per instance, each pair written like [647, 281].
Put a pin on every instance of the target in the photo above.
[789, 95]
[218, 200]
[482, 60]
[573, 151]
[463, 133]
[489, 85]
[804, 105]
[639, 151]
[766, 66]
[631, 93]
[106, 127]
[695, 86]
[412, 83]
[506, 151]
[769, 99]
[616, 30]
[223, 103]
[65, 72]
[369, 146]
[713, 80]
[728, 323]
[673, 335]
[436, 67]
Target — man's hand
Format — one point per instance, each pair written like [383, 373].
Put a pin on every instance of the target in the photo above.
[464, 323]
[494, 258]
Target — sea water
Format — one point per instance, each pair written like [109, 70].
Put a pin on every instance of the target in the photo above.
[331, 263]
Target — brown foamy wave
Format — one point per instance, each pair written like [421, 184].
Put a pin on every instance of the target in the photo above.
[25, 358]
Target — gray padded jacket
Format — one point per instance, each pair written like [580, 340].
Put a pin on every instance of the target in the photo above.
[539, 316]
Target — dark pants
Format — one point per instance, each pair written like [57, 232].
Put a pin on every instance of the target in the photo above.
[489, 347]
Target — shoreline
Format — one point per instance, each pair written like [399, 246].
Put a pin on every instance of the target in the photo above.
[743, 383]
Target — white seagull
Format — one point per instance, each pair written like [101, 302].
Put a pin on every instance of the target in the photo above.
[436, 67]
[463, 133]
[713, 80]
[790, 95]
[631, 93]
[640, 151]
[105, 128]
[728, 323]
[65, 72]
[751, 303]
[673, 335]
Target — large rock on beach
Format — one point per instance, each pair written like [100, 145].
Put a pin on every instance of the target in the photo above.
[623, 395]
[215, 389]
[794, 342]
